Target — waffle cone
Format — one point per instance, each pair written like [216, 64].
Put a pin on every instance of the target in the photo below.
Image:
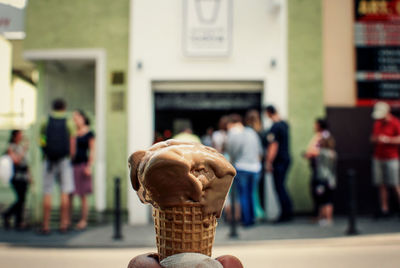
[183, 229]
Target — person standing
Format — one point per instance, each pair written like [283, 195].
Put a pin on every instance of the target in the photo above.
[56, 135]
[320, 127]
[253, 120]
[218, 141]
[322, 156]
[385, 167]
[19, 181]
[186, 133]
[219, 136]
[278, 160]
[326, 178]
[83, 154]
[206, 139]
[245, 151]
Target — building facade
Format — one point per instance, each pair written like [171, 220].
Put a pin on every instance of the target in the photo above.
[77, 47]
[136, 66]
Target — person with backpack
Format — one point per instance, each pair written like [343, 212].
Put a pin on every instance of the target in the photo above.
[56, 134]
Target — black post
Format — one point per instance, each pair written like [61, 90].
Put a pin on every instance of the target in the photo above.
[352, 213]
[233, 230]
[117, 209]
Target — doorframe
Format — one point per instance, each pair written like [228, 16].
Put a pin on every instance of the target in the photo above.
[99, 56]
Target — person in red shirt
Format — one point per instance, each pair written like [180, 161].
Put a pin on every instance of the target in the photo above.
[386, 140]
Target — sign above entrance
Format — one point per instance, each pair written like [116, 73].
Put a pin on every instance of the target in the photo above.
[207, 101]
[207, 27]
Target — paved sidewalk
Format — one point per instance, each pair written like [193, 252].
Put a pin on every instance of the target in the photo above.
[143, 236]
[367, 251]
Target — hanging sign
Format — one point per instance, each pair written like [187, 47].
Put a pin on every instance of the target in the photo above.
[12, 15]
[207, 27]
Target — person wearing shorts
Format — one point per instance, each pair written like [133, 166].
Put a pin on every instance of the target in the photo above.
[385, 163]
[60, 172]
[55, 139]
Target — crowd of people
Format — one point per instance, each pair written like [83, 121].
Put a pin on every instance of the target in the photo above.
[255, 151]
[68, 148]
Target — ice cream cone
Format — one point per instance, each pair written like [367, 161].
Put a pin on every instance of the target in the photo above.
[183, 229]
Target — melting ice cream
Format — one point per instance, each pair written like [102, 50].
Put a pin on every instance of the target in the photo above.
[173, 173]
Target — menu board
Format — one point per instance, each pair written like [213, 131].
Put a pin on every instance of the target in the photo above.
[377, 45]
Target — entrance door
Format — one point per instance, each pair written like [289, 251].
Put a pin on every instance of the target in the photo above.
[73, 81]
[90, 96]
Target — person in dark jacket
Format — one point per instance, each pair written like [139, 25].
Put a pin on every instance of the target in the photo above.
[278, 160]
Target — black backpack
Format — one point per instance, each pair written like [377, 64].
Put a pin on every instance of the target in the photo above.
[57, 139]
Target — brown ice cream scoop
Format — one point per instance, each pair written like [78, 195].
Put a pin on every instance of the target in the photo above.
[174, 173]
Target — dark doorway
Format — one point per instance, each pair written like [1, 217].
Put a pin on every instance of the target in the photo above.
[202, 109]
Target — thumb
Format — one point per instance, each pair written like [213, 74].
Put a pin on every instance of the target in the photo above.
[230, 261]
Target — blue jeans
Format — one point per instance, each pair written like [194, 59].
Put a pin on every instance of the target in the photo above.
[258, 210]
[245, 182]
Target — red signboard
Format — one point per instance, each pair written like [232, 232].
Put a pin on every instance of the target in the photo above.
[377, 10]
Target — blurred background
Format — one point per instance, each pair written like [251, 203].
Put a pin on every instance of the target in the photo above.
[140, 69]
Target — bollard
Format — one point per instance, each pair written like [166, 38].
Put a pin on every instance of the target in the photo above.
[117, 210]
[233, 230]
[352, 213]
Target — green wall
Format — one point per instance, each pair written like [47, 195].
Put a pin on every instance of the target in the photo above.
[6, 194]
[105, 24]
[305, 90]
[54, 24]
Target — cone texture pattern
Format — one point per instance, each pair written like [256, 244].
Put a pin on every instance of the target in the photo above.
[183, 229]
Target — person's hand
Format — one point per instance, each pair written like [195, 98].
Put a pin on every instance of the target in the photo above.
[383, 139]
[268, 167]
[25, 145]
[152, 260]
[149, 260]
[230, 261]
[30, 178]
[88, 170]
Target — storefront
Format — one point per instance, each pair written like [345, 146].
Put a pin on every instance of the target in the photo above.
[82, 56]
[202, 103]
[148, 62]
[361, 66]
[199, 60]
[78, 76]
